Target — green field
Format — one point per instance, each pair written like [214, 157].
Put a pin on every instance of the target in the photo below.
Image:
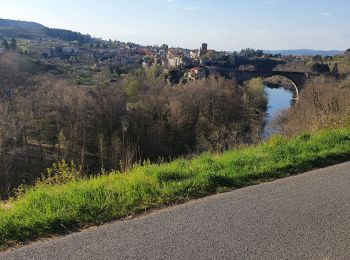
[48, 209]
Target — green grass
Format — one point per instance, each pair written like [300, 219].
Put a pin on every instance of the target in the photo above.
[47, 210]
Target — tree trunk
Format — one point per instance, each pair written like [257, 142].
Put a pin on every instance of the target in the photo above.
[101, 151]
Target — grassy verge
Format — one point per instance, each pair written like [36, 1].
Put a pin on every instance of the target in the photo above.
[45, 210]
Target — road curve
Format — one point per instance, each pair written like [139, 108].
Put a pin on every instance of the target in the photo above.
[301, 217]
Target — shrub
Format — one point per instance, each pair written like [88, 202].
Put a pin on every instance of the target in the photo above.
[61, 173]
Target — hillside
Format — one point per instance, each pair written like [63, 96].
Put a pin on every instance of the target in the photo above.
[305, 52]
[19, 29]
[31, 30]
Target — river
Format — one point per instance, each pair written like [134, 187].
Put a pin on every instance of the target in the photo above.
[278, 99]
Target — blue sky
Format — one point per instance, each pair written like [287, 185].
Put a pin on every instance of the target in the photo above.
[224, 24]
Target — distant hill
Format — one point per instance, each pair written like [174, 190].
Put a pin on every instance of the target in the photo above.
[19, 29]
[305, 52]
[30, 30]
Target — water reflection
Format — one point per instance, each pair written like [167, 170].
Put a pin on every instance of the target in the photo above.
[279, 99]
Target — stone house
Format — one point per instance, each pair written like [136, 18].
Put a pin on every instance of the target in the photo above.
[178, 60]
[196, 73]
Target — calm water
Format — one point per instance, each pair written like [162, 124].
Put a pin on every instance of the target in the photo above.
[279, 99]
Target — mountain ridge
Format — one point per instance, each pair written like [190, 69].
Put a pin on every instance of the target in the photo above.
[305, 52]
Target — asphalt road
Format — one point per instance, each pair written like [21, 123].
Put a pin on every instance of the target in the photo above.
[301, 217]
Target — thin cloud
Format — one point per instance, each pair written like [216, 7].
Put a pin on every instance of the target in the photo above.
[326, 14]
[217, 33]
[263, 31]
[191, 8]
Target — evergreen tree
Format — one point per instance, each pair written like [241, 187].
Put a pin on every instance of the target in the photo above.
[5, 44]
[97, 44]
[164, 47]
[13, 43]
[320, 68]
[317, 58]
[347, 54]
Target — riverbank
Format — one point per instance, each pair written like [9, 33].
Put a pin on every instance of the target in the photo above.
[49, 209]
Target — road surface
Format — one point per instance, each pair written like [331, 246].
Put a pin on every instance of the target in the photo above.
[301, 217]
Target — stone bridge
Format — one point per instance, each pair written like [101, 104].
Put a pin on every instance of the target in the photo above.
[297, 78]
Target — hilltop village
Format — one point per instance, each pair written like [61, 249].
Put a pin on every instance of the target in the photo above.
[114, 58]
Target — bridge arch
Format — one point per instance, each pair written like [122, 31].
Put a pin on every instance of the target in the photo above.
[296, 89]
[297, 78]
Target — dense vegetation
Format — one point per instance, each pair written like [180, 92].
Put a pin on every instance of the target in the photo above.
[324, 103]
[68, 35]
[65, 200]
[46, 118]
[333, 65]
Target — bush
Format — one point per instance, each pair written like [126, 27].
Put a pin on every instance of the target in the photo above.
[324, 103]
[61, 173]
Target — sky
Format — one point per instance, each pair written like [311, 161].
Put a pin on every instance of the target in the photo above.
[224, 24]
